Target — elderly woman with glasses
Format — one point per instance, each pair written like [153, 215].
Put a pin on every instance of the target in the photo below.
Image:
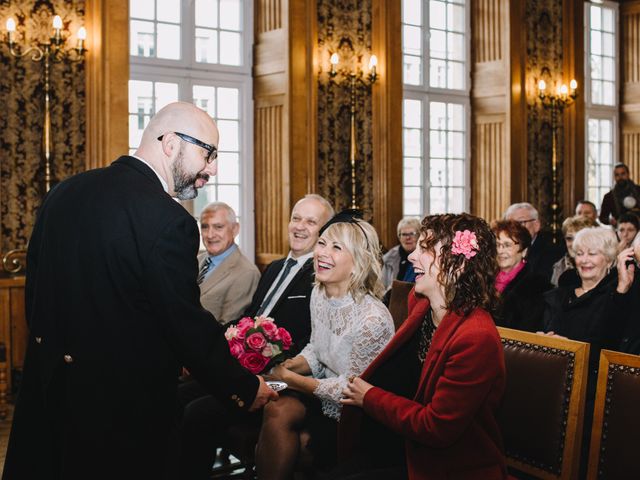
[563, 272]
[520, 288]
[395, 263]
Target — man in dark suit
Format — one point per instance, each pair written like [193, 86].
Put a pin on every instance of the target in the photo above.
[283, 293]
[114, 312]
[542, 253]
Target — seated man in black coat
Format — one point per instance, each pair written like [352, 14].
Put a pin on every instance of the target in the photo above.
[542, 253]
[283, 294]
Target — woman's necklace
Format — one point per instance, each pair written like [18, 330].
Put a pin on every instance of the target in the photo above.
[426, 334]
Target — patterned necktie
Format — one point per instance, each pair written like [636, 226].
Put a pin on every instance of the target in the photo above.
[285, 271]
[204, 269]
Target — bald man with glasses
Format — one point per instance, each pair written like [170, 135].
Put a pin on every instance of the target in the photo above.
[113, 307]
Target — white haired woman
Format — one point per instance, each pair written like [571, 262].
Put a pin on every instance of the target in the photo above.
[585, 313]
[349, 327]
[395, 263]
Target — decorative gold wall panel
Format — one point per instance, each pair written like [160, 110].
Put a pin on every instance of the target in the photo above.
[22, 118]
[631, 47]
[631, 153]
[630, 104]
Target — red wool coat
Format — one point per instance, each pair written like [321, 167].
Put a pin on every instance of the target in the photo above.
[450, 427]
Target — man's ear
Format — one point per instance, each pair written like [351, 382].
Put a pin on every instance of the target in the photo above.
[235, 229]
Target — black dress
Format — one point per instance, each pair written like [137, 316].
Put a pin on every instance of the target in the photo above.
[522, 302]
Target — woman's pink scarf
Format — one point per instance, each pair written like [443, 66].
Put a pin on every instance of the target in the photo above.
[504, 278]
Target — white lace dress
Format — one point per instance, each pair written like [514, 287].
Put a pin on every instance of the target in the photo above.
[345, 338]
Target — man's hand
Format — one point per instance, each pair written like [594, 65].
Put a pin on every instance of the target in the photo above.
[264, 395]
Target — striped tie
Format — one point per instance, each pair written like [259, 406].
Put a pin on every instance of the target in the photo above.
[285, 271]
[204, 269]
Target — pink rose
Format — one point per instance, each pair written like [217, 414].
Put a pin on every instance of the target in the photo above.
[286, 338]
[231, 333]
[236, 348]
[270, 330]
[465, 243]
[271, 350]
[256, 341]
[253, 361]
[243, 326]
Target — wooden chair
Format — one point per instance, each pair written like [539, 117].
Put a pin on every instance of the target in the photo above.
[615, 434]
[398, 301]
[543, 405]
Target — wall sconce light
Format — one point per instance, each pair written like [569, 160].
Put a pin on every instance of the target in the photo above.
[556, 103]
[354, 77]
[51, 51]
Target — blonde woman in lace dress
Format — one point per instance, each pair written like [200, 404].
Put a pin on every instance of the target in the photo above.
[350, 327]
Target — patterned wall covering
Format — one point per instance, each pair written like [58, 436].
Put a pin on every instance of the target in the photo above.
[22, 118]
[543, 61]
[344, 26]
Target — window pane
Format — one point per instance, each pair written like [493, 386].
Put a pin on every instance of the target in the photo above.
[438, 144]
[140, 95]
[207, 13]
[205, 98]
[607, 20]
[596, 19]
[413, 142]
[455, 44]
[412, 40]
[412, 12]
[596, 66]
[437, 200]
[456, 18]
[142, 41]
[165, 94]
[608, 93]
[230, 194]
[438, 73]
[206, 46]
[596, 42]
[229, 135]
[438, 172]
[608, 68]
[438, 15]
[412, 117]
[228, 168]
[455, 200]
[228, 104]
[438, 44]
[142, 9]
[412, 70]
[412, 171]
[412, 201]
[230, 14]
[168, 41]
[231, 51]
[169, 11]
[455, 75]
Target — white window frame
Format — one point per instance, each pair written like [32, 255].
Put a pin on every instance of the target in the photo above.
[186, 72]
[598, 111]
[425, 93]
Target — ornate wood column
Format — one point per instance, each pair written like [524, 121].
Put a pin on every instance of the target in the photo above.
[630, 97]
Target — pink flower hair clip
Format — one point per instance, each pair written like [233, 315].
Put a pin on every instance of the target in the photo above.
[465, 243]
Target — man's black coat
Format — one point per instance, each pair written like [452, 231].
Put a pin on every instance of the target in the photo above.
[114, 313]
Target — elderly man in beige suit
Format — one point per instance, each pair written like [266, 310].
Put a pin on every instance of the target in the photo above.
[227, 278]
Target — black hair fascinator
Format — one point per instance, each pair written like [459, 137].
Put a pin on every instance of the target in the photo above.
[348, 215]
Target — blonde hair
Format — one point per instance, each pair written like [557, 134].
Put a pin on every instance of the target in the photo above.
[361, 241]
[600, 239]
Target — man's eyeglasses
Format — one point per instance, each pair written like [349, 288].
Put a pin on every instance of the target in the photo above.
[524, 222]
[408, 234]
[211, 149]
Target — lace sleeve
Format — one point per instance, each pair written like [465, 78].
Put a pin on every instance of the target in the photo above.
[309, 353]
[373, 335]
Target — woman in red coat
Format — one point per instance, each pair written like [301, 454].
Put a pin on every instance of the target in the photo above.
[425, 408]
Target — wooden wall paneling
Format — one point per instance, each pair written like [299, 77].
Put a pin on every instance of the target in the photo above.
[107, 75]
[574, 118]
[490, 159]
[303, 125]
[630, 95]
[387, 120]
[515, 54]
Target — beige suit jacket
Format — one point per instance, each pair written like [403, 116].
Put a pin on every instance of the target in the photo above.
[228, 290]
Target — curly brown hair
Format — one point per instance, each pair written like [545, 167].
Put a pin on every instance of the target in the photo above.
[468, 283]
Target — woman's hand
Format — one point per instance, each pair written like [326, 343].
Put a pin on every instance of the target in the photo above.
[355, 391]
[625, 272]
[297, 364]
[551, 334]
[279, 372]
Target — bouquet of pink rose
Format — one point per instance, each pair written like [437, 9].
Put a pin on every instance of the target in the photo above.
[258, 344]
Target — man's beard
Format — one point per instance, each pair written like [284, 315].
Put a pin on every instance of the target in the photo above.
[184, 183]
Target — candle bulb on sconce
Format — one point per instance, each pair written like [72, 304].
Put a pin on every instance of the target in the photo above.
[57, 28]
[82, 36]
[11, 28]
[334, 62]
[373, 63]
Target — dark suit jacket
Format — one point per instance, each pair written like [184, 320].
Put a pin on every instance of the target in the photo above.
[291, 310]
[543, 253]
[449, 425]
[114, 312]
[522, 305]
